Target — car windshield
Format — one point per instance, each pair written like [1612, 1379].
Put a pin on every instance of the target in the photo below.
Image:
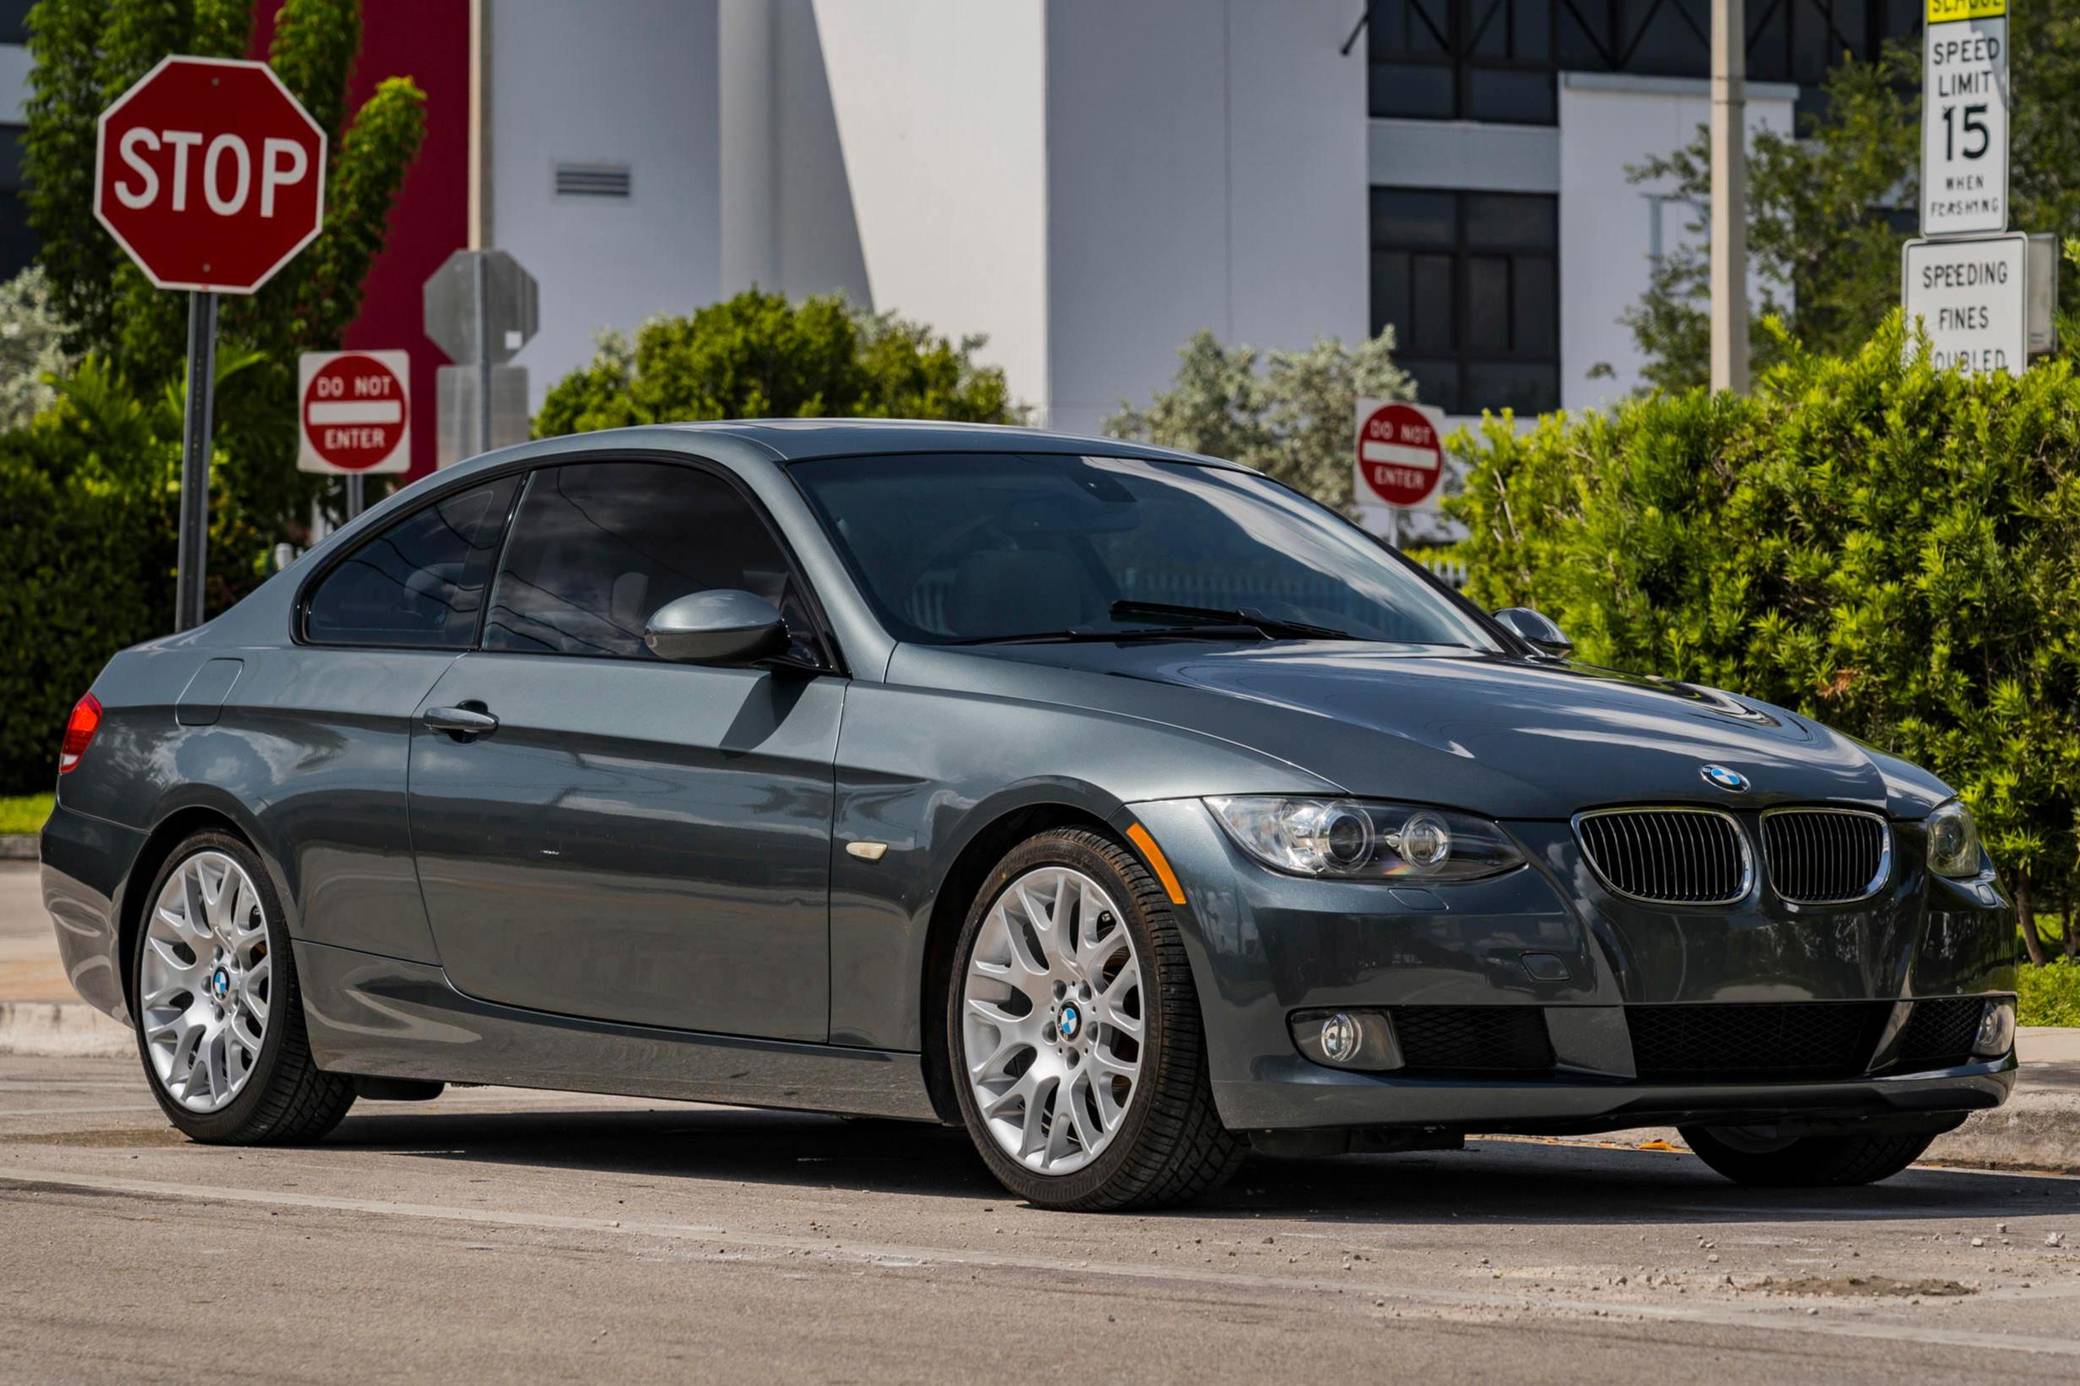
[953, 548]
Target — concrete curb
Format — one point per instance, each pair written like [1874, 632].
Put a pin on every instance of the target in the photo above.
[2034, 1131]
[18, 847]
[61, 1029]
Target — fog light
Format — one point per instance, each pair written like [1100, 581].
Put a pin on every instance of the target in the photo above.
[1996, 1030]
[1347, 1039]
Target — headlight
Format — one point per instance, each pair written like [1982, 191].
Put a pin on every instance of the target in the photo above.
[1353, 838]
[1953, 841]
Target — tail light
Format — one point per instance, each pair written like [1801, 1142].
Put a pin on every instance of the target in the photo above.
[79, 732]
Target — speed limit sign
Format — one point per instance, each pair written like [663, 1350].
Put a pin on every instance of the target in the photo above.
[1964, 118]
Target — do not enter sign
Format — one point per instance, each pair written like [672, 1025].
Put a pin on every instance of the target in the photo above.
[1400, 456]
[357, 412]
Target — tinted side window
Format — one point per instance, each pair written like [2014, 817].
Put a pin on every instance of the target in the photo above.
[418, 583]
[599, 546]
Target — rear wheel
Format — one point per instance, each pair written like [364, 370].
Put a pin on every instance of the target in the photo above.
[1074, 1031]
[219, 1018]
[1750, 1155]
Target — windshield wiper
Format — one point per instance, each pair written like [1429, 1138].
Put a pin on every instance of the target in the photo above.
[1085, 635]
[1239, 616]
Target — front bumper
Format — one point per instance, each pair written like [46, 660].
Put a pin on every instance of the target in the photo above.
[1264, 945]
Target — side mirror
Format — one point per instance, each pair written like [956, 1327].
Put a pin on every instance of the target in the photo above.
[721, 626]
[1537, 628]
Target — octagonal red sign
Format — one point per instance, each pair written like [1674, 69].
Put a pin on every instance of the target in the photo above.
[210, 174]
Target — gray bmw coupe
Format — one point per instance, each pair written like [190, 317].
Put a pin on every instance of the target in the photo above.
[1119, 805]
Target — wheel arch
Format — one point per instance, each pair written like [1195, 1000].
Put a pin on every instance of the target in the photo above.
[173, 828]
[958, 887]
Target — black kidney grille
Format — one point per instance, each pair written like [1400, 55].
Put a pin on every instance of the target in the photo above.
[1746, 1041]
[1819, 857]
[1939, 1033]
[1472, 1039]
[1669, 856]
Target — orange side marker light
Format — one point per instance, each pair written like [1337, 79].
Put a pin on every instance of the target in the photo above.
[1157, 862]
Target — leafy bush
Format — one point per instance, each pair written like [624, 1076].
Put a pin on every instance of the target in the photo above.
[32, 348]
[2048, 995]
[1888, 548]
[759, 356]
[1289, 414]
[87, 547]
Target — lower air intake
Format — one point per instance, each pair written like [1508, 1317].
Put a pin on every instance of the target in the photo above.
[1736, 1042]
[1481, 1040]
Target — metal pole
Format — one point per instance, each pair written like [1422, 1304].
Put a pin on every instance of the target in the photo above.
[193, 549]
[1729, 273]
[354, 495]
[483, 354]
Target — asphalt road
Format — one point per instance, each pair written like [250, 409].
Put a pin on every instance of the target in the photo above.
[502, 1234]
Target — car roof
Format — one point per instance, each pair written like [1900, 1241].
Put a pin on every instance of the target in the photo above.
[800, 440]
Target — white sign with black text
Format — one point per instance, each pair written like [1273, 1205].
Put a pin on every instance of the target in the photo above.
[1972, 297]
[1964, 118]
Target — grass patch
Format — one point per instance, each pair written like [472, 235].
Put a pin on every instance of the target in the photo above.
[2048, 995]
[24, 813]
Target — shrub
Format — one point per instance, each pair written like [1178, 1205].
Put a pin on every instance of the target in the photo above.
[759, 356]
[1889, 548]
[2048, 995]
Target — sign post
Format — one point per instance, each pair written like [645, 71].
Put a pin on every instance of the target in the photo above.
[354, 414]
[1399, 460]
[211, 177]
[1964, 118]
[481, 308]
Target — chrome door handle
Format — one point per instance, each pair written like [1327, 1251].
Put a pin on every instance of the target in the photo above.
[465, 722]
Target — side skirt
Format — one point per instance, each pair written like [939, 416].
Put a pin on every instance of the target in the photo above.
[383, 1017]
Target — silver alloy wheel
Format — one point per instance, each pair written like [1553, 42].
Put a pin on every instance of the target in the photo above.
[205, 981]
[1052, 1020]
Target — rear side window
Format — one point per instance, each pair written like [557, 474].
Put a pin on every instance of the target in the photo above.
[598, 547]
[420, 583]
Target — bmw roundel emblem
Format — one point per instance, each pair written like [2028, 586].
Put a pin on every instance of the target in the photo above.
[1719, 777]
[1070, 1020]
[220, 983]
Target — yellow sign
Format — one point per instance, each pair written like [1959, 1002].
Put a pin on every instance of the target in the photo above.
[1944, 11]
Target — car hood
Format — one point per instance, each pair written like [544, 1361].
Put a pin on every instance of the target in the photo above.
[1504, 736]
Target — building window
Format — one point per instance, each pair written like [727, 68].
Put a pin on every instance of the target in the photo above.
[17, 241]
[1499, 60]
[1470, 282]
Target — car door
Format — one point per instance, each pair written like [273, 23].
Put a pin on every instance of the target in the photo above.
[602, 834]
[329, 720]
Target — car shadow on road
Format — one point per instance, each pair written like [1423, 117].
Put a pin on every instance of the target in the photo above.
[1492, 1181]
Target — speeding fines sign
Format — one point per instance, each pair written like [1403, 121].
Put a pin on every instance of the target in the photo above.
[356, 410]
[1971, 298]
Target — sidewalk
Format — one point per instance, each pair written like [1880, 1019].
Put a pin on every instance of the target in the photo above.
[40, 1014]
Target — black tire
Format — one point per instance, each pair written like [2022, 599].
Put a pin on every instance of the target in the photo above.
[287, 1099]
[1171, 1147]
[1805, 1162]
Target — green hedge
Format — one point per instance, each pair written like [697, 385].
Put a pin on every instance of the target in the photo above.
[2049, 995]
[1888, 548]
[84, 571]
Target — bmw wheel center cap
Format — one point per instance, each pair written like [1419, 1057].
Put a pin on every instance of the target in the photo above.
[220, 983]
[1071, 1020]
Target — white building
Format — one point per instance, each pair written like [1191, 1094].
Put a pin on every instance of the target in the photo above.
[1089, 182]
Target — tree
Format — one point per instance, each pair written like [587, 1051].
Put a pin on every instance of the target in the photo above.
[759, 356]
[32, 348]
[1828, 209]
[1289, 414]
[86, 52]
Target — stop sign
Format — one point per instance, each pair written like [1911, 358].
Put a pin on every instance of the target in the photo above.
[1400, 458]
[209, 174]
[356, 410]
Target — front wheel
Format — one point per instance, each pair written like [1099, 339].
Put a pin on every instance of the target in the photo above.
[1750, 1156]
[219, 1019]
[1074, 1029]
